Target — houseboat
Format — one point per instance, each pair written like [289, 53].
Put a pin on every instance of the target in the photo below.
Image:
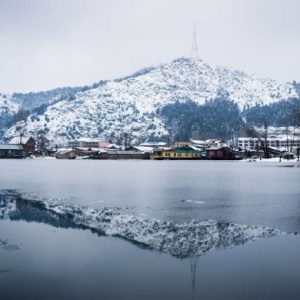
[179, 153]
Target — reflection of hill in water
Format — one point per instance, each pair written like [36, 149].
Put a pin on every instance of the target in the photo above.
[180, 240]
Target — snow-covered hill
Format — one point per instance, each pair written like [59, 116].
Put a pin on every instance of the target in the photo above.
[8, 107]
[129, 104]
[29, 101]
[7, 104]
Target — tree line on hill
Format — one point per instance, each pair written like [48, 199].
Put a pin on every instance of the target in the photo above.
[222, 118]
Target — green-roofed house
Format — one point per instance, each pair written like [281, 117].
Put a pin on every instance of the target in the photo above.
[188, 152]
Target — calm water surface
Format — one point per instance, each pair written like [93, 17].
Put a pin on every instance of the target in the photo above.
[239, 192]
[45, 262]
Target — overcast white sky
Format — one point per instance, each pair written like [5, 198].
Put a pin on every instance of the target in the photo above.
[50, 43]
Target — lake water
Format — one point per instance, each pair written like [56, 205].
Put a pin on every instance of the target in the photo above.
[49, 256]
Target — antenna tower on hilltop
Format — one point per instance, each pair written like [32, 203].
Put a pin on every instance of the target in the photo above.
[195, 54]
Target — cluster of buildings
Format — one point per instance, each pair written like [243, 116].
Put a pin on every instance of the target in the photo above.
[192, 150]
[86, 148]
[277, 142]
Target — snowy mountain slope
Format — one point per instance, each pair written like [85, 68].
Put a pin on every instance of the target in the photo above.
[14, 107]
[8, 107]
[248, 90]
[129, 104]
[90, 115]
[32, 100]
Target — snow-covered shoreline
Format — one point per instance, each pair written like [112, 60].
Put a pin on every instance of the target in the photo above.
[273, 160]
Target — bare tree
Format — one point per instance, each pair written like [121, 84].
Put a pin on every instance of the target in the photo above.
[262, 138]
[296, 123]
[42, 143]
[127, 139]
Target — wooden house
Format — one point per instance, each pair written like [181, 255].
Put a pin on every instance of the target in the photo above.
[12, 151]
[87, 143]
[100, 155]
[120, 154]
[83, 151]
[219, 153]
[65, 154]
[29, 146]
[91, 153]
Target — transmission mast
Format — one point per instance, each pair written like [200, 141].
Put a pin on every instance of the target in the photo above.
[195, 54]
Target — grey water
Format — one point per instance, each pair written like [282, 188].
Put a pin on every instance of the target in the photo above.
[40, 261]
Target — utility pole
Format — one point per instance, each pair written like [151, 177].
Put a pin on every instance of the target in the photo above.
[195, 54]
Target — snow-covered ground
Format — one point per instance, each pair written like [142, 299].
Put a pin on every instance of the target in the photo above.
[276, 160]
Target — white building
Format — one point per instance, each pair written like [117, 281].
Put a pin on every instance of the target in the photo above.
[154, 144]
[281, 143]
[208, 143]
[87, 143]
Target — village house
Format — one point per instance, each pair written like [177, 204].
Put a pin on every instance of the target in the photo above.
[86, 151]
[128, 154]
[219, 153]
[29, 146]
[92, 153]
[87, 143]
[114, 147]
[143, 149]
[65, 154]
[12, 151]
[188, 152]
[207, 143]
[154, 144]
